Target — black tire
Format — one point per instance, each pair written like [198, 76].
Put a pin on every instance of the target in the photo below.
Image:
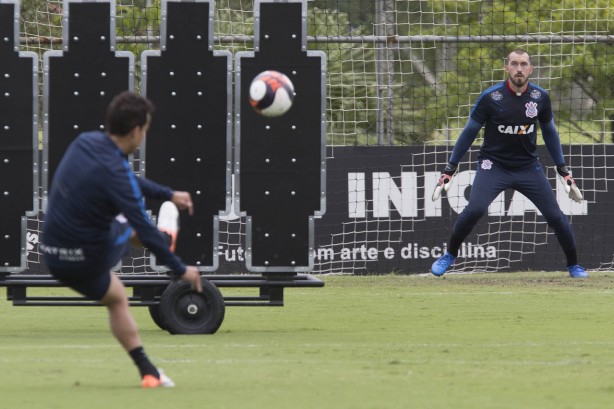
[184, 311]
[154, 312]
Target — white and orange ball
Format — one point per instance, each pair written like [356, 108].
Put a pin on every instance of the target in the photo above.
[271, 93]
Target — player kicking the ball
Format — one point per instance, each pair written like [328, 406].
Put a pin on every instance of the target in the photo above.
[508, 159]
[95, 210]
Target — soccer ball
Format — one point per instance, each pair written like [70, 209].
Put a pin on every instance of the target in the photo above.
[271, 93]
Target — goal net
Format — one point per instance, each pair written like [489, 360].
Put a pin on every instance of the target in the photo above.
[402, 77]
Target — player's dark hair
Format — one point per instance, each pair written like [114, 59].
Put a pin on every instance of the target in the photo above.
[127, 111]
[520, 51]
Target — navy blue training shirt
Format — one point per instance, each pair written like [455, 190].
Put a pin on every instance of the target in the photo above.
[92, 185]
[511, 122]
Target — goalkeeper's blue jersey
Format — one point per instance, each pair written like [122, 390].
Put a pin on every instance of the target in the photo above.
[511, 122]
[92, 185]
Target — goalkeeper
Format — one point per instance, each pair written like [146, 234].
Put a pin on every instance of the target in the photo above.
[508, 159]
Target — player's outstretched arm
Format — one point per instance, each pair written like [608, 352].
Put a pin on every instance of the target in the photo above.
[445, 180]
[570, 185]
[465, 139]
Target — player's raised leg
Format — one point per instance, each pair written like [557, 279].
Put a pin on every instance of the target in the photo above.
[168, 223]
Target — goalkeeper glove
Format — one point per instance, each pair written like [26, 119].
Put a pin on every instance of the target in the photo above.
[445, 181]
[570, 185]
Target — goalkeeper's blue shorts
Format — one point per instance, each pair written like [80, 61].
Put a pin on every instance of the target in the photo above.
[492, 179]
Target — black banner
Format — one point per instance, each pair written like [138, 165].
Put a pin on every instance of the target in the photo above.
[380, 217]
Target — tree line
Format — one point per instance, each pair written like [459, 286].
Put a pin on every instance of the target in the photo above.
[425, 88]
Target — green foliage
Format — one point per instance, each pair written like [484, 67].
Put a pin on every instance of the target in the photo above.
[578, 74]
[232, 21]
[358, 12]
[420, 90]
[351, 95]
[41, 37]
[138, 20]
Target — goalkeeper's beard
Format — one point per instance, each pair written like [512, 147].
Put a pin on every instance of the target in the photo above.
[519, 82]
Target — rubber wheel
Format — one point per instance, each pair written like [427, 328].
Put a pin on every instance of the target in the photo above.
[184, 311]
[154, 312]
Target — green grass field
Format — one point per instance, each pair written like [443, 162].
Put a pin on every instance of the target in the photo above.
[524, 340]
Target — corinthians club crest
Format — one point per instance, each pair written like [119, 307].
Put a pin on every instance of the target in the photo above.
[531, 111]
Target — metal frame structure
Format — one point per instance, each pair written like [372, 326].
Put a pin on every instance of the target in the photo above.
[147, 289]
[172, 304]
